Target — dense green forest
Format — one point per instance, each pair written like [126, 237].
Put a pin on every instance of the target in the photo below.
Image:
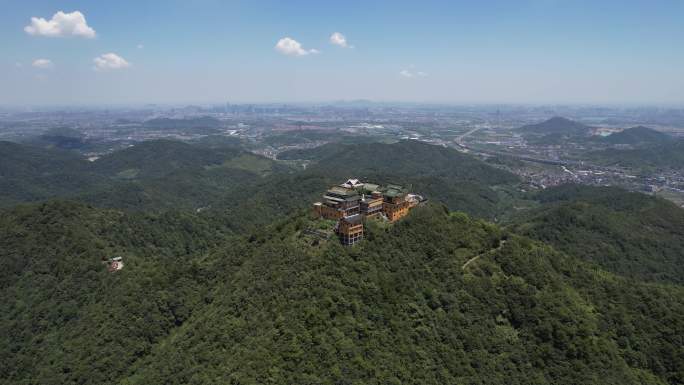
[29, 173]
[583, 288]
[195, 305]
[401, 309]
[64, 318]
[160, 174]
[628, 233]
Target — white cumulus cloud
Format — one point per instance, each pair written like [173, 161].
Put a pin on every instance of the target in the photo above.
[61, 25]
[110, 61]
[291, 47]
[340, 40]
[42, 64]
[410, 73]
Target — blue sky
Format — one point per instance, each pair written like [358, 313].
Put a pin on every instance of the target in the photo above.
[197, 51]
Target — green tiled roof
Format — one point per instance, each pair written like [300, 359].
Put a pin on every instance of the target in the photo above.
[369, 187]
[341, 191]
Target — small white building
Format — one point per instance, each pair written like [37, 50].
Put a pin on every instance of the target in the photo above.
[352, 183]
[115, 264]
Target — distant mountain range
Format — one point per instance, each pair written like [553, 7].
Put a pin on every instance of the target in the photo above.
[557, 130]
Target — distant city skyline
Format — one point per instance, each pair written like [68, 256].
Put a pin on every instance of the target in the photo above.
[437, 52]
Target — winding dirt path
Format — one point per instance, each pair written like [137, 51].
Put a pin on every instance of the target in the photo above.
[473, 259]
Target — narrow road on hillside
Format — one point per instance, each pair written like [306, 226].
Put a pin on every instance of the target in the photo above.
[473, 259]
[459, 139]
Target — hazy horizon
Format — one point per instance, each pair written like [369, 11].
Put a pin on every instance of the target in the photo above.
[339, 103]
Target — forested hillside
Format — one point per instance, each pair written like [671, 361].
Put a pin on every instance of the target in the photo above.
[460, 181]
[555, 131]
[638, 136]
[657, 157]
[584, 288]
[64, 318]
[30, 173]
[60, 137]
[153, 175]
[628, 233]
[161, 175]
[194, 305]
[557, 125]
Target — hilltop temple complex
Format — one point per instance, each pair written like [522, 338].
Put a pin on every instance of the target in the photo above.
[352, 201]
